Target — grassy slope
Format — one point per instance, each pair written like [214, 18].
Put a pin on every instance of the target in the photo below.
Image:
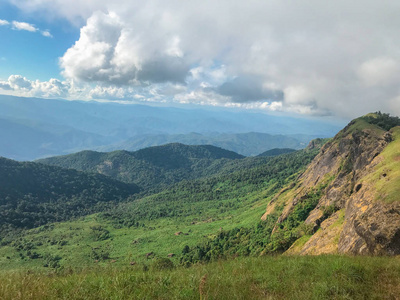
[157, 236]
[310, 277]
[386, 175]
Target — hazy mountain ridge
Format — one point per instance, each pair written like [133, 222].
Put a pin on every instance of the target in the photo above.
[248, 144]
[92, 125]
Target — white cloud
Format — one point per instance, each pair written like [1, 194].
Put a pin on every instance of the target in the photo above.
[53, 88]
[340, 57]
[111, 93]
[16, 25]
[19, 82]
[47, 33]
[109, 51]
[23, 26]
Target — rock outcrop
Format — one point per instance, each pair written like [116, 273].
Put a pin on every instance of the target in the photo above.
[358, 210]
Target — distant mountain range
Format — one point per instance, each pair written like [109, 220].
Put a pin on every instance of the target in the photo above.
[32, 128]
[248, 144]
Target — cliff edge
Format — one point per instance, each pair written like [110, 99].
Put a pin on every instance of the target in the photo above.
[348, 199]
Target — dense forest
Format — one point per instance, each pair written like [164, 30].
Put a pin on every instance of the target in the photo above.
[152, 168]
[33, 194]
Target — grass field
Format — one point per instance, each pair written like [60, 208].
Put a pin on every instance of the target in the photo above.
[267, 277]
[76, 244]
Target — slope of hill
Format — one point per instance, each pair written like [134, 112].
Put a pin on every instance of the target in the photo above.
[33, 194]
[150, 168]
[248, 144]
[277, 151]
[348, 198]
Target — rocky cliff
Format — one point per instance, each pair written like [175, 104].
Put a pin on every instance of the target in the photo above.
[348, 199]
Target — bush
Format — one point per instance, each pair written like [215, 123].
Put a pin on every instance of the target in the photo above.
[162, 264]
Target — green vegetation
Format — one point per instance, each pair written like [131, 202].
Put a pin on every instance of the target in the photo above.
[193, 232]
[376, 122]
[280, 277]
[33, 194]
[386, 176]
[232, 200]
[265, 237]
[382, 120]
[153, 168]
[276, 151]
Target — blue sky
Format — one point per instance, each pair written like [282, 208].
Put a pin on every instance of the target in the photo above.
[30, 53]
[308, 58]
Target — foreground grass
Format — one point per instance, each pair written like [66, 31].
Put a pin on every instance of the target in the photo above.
[280, 277]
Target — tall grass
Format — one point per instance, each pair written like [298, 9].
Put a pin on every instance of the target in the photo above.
[317, 277]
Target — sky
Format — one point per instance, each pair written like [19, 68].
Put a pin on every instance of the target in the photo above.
[310, 57]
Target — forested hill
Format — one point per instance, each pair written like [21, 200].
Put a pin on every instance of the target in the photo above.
[276, 151]
[150, 168]
[33, 194]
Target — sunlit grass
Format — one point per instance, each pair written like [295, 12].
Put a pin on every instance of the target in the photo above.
[386, 175]
[289, 277]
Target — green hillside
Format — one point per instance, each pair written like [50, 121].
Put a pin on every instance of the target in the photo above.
[33, 194]
[151, 168]
[163, 223]
[276, 151]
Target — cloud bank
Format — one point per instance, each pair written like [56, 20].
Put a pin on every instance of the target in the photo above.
[308, 57]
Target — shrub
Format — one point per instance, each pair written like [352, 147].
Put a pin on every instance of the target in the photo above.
[162, 264]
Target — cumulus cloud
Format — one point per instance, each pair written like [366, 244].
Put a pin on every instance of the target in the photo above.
[48, 89]
[110, 51]
[19, 82]
[307, 57]
[4, 22]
